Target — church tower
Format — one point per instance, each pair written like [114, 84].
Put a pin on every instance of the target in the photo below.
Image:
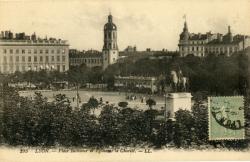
[110, 51]
[183, 41]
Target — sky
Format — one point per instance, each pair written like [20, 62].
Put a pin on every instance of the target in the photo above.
[154, 24]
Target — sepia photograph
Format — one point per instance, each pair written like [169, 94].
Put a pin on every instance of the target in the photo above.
[124, 80]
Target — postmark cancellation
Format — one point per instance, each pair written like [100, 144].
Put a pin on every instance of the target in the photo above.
[226, 118]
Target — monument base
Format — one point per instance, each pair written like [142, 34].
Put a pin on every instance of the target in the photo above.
[175, 102]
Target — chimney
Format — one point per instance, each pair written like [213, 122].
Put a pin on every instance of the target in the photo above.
[229, 29]
[219, 37]
[199, 35]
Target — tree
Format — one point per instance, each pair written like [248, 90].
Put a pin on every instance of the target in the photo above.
[93, 103]
[150, 102]
[123, 104]
[183, 128]
[200, 119]
[109, 125]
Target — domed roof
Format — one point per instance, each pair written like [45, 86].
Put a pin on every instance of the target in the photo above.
[110, 25]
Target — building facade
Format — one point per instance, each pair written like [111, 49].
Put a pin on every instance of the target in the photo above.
[136, 82]
[203, 44]
[91, 58]
[23, 53]
[110, 51]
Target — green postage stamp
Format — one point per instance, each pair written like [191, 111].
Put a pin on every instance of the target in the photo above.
[226, 118]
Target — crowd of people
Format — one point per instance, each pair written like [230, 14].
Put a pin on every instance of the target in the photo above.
[133, 97]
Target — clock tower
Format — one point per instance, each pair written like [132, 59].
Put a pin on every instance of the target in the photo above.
[110, 49]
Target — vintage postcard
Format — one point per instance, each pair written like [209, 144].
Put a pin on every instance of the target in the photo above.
[124, 80]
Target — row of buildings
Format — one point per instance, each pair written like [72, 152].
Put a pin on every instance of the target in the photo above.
[20, 52]
[216, 43]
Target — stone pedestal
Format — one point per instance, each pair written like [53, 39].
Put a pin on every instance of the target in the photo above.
[176, 101]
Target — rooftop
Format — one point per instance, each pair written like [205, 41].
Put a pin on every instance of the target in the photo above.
[224, 40]
[89, 53]
[135, 77]
[22, 38]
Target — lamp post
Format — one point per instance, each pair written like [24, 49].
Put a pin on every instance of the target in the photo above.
[77, 95]
[165, 105]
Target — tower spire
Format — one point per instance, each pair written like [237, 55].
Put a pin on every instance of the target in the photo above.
[185, 29]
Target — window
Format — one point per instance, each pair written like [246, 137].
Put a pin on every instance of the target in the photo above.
[17, 51]
[113, 59]
[63, 51]
[47, 58]
[35, 58]
[47, 51]
[58, 67]
[11, 68]
[41, 51]
[52, 58]
[23, 58]
[29, 51]
[29, 59]
[5, 68]
[41, 58]
[63, 67]
[197, 48]
[52, 51]
[63, 58]
[17, 58]
[23, 51]
[11, 51]
[230, 49]
[58, 58]
[35, 51]
[58, 51]
[110, 35]
[5, 51]
[11, 59]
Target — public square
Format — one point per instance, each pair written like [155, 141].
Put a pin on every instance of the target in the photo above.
[111, 97]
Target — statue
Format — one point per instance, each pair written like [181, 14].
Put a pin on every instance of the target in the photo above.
[174, 81]
[178, 81]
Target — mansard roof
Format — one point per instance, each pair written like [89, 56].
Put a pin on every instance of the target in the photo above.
[193, 36]
[236, 39]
